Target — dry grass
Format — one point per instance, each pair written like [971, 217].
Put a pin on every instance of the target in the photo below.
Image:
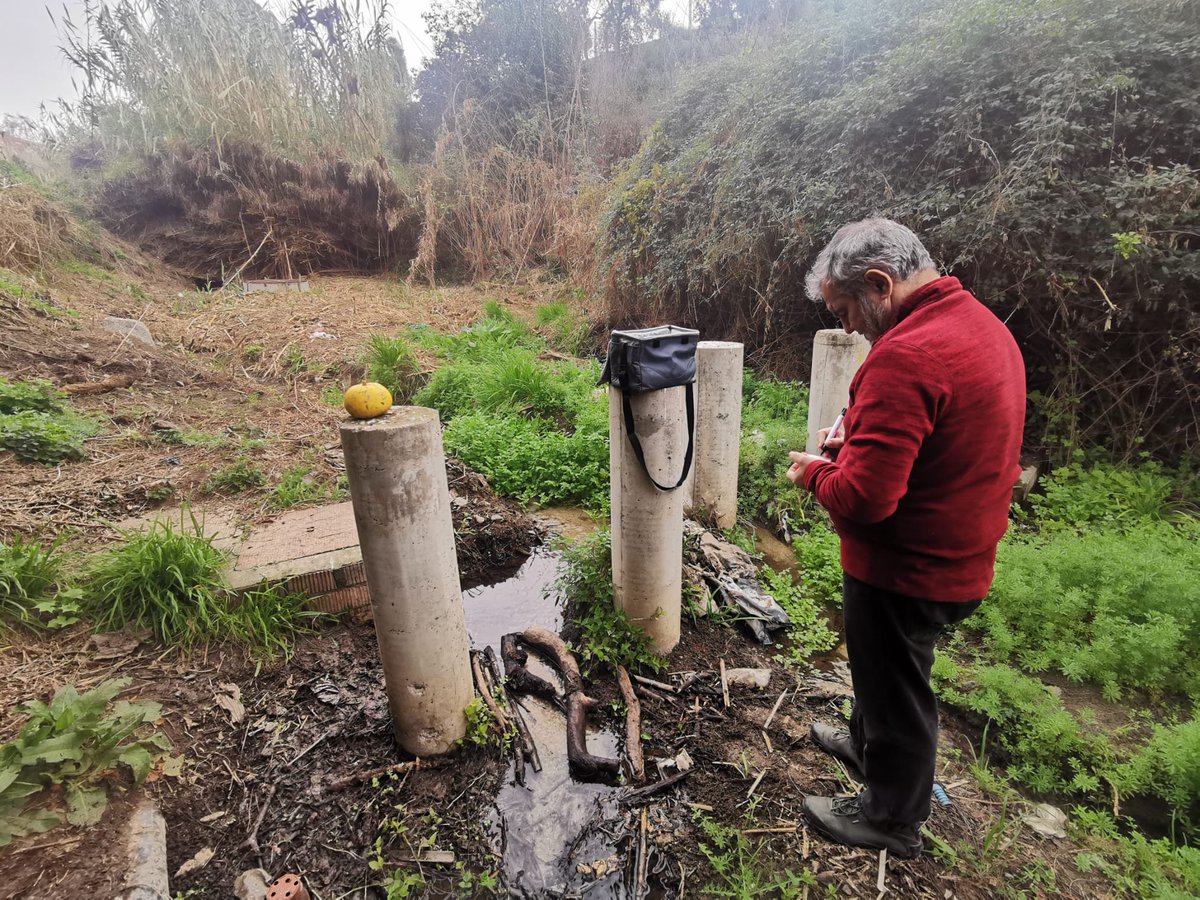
[490, 211]
[36, 232]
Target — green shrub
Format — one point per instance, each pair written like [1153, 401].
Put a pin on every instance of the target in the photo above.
[1114, 607]
[965, 128]
[172, 583]
[450, 390]
[235, 478]
[46, 438]
[29, 396]
[809, 631]
[774, 421]
[75, 741]
[32, 586]
[607, 638]
[269, 620]
[819, 561]
[529, 460]
[515, 381]
[166, 580]
[1042, 743]
[1146, 869]
[35, 425]
[1167, 766]
[298, 486]
[1078, 495]
[566, 330]
[741, 872]
[390, 361]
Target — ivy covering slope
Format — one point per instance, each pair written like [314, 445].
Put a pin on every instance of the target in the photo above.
[1045, 150]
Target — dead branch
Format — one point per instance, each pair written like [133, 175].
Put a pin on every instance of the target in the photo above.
[657, 788]
[518, 677]
[338, 784]
[529, 748]
[582, 764]
[112, 383]
[633, 725]
[251, 841]
[552, 645]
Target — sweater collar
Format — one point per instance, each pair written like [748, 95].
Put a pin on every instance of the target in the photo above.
[937, 289]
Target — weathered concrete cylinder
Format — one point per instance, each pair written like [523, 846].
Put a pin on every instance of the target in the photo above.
[713, 485]
[836, 357]
[397, 473]
[647, 524]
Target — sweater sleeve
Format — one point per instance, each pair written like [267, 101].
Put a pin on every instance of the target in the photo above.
[898, 398]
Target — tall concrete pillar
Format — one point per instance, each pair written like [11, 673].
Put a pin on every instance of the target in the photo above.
[836, 357]
[714, 482]
[397, 474]
[647, 524]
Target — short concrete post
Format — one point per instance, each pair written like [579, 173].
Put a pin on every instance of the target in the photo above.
[836, 357]
[397, 474]
[718, 431]
[647, 524]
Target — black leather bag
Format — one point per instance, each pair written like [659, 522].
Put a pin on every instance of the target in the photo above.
[651, 359]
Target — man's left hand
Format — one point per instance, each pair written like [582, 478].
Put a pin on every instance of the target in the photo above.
[800, 464]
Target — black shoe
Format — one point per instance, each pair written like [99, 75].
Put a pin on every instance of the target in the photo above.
[841, 819]
[836, 742]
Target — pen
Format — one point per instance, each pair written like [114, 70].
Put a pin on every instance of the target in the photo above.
[837, 423]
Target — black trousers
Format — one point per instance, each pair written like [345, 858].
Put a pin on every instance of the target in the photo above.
[894, 724]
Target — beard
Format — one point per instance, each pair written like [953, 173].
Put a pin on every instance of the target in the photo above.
[876, 320]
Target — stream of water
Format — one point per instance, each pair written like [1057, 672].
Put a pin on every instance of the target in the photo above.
[552, 823]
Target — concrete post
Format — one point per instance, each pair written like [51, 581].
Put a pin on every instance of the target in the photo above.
[718, 431]
[647, 524]
[397, 474]
[836, 357]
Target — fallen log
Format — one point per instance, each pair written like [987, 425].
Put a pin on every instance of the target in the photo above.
[111, 383]
[519, 678]
[633, 725]
[581, 764]
[551, 645]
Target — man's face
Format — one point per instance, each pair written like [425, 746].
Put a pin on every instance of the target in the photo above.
[868, 317]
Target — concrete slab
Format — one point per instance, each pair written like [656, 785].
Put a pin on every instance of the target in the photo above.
[223, 526]
[309, 551]
[314, 552]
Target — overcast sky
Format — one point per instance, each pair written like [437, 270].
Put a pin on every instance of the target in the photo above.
[32, 68]
[33, 71]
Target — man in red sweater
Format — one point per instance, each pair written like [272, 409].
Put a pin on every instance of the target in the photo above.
[918, 489]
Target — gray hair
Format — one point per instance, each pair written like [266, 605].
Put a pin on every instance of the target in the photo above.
[870, 244]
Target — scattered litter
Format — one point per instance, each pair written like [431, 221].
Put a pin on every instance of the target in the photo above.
[128, 328]
[252, 885]
[112, 645]
[199, 861]
[758, 679]
[1046, 821]
[733, 576]
[327, 692]
[940, 795]
[229, 698]
[599, 868]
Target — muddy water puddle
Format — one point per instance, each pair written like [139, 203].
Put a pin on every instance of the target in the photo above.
[545, 828]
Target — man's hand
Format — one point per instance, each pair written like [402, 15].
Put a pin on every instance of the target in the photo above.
[800, 463]
[831, 444]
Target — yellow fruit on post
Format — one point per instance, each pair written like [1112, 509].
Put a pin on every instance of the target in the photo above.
[367, 400]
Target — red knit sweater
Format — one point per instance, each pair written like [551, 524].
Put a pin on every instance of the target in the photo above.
[920, 491]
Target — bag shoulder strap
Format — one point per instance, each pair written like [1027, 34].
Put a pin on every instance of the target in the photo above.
[631, 430]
